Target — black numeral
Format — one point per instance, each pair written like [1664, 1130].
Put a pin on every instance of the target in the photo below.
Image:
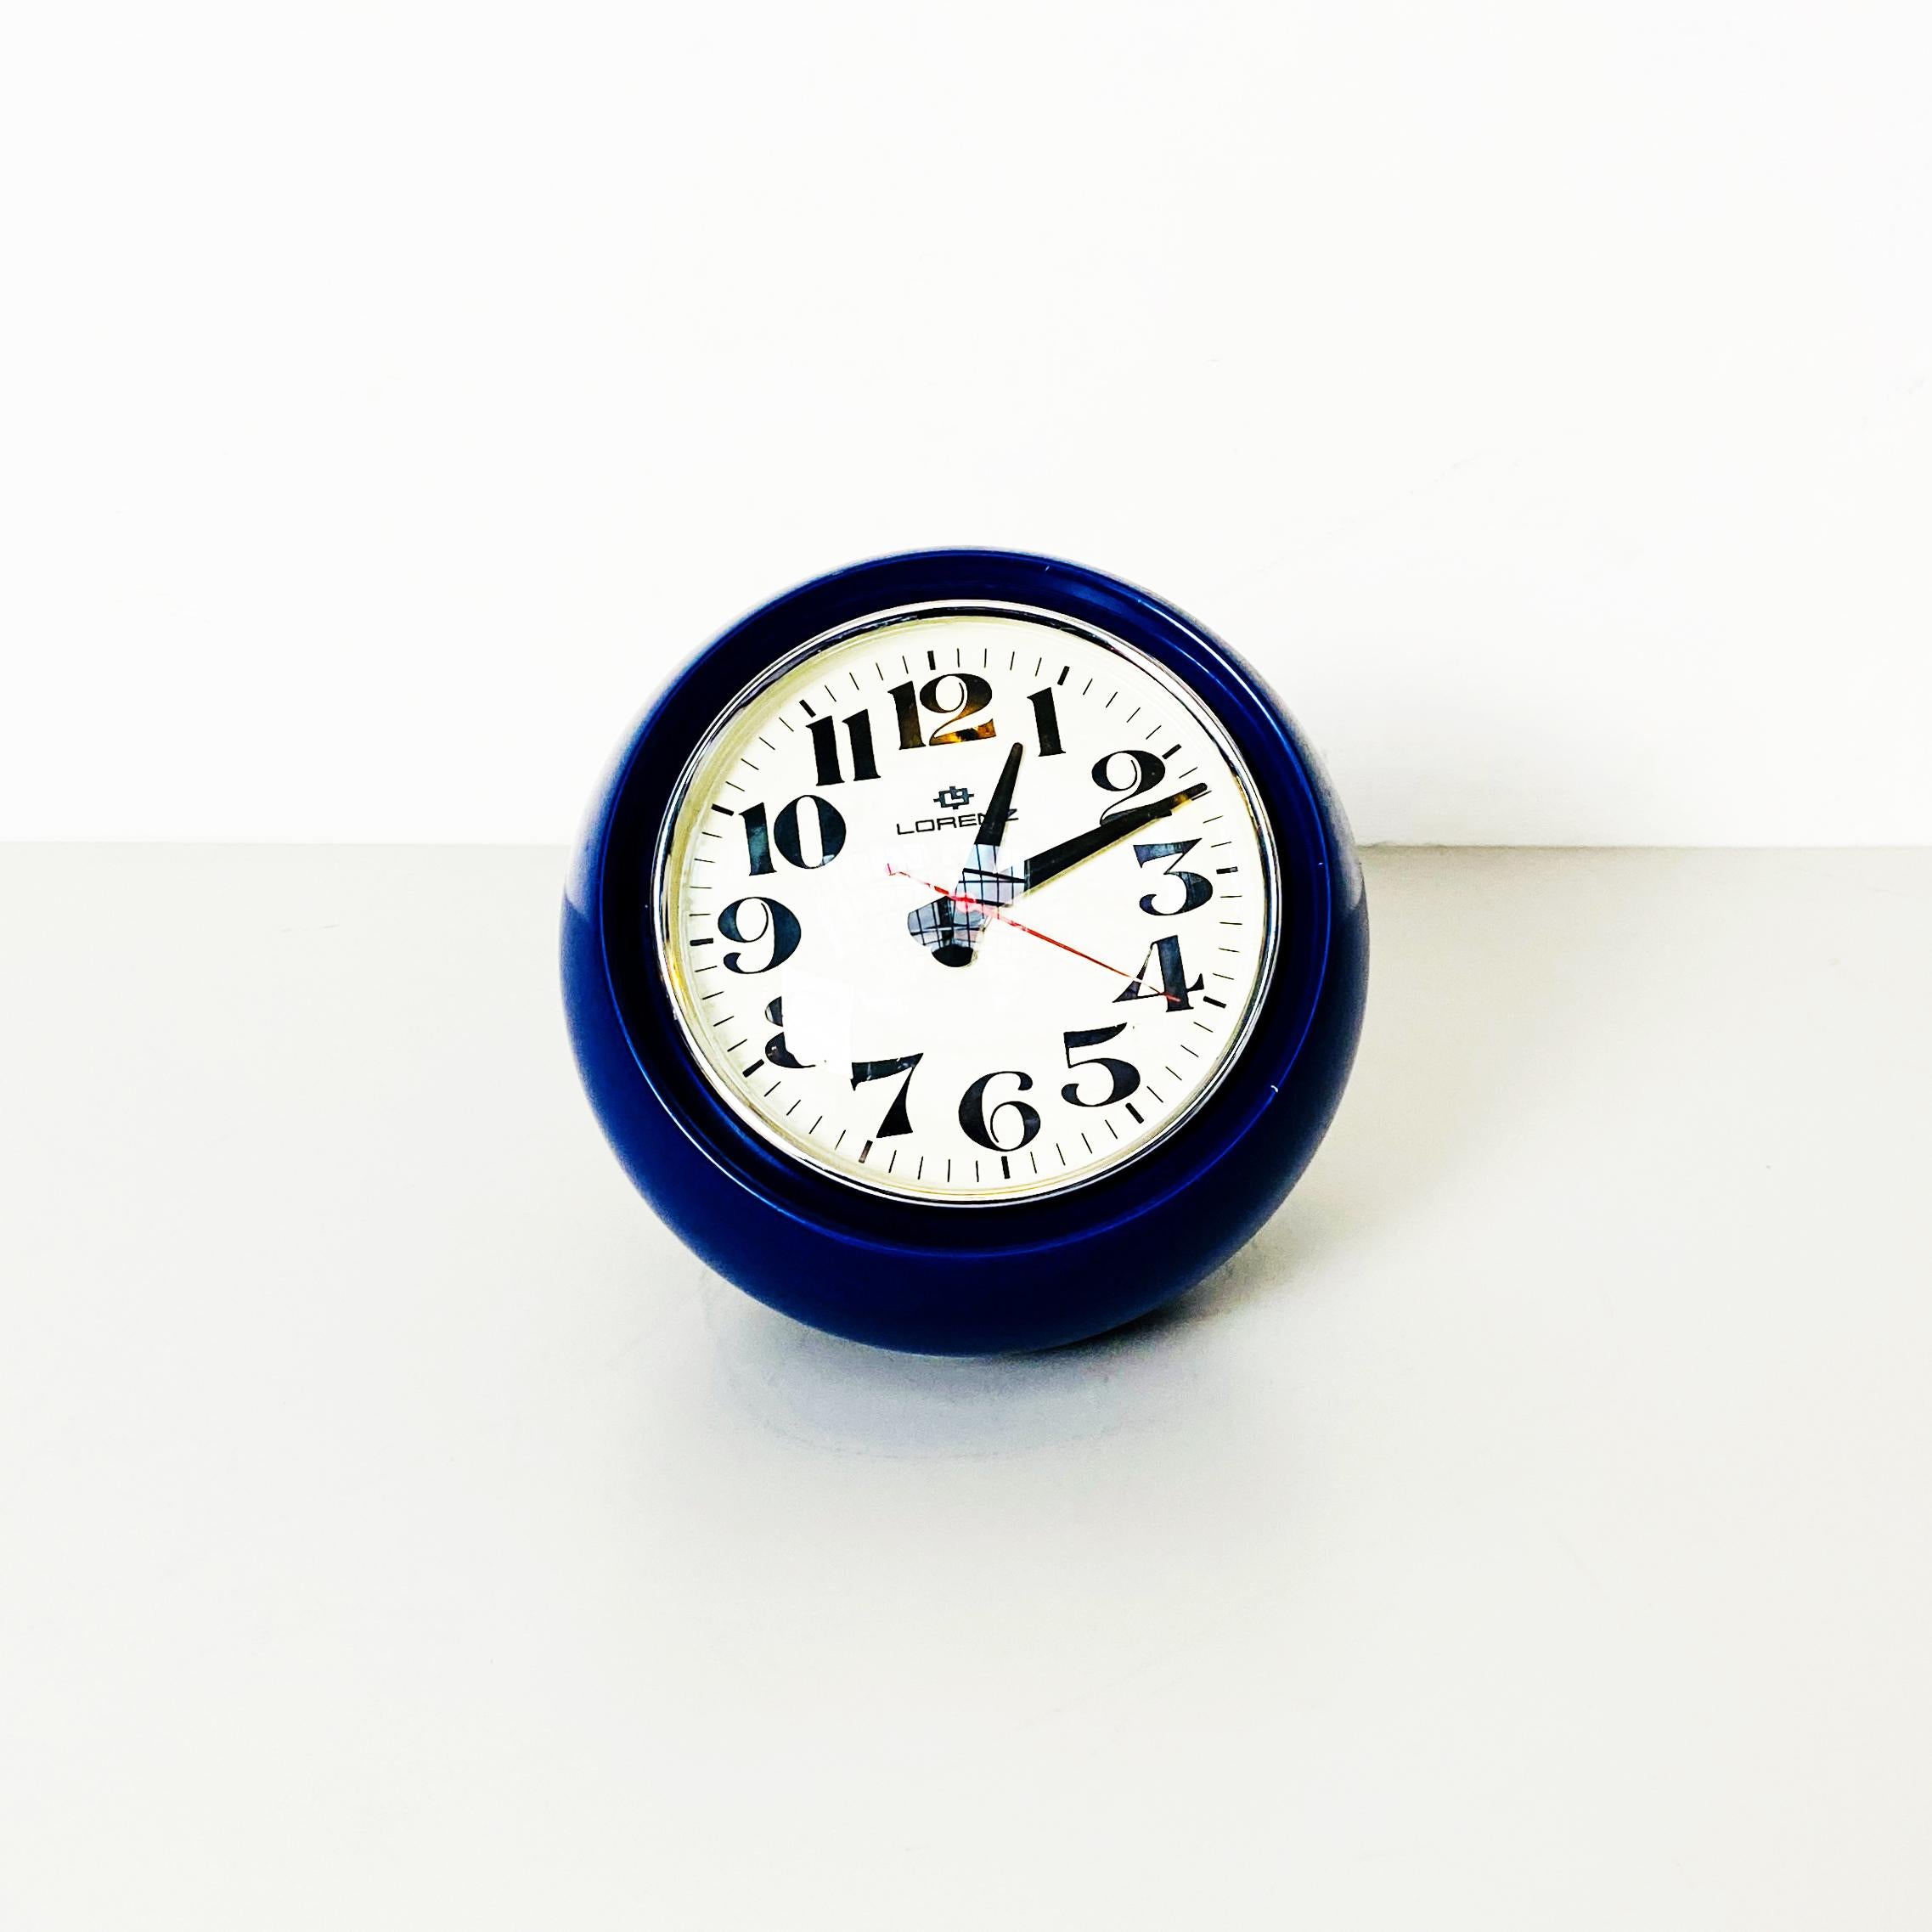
[1124, 1076]
[1162, 963]
[829, 833]
[1046, 723]
[1146, 773]
[780, 926]
[975, 694]
[979, 1124]
[905, 703]
[758, 839]
[828, 840]
[1195, 890]
[897, 1120]
[825, 748]
[776, 1050]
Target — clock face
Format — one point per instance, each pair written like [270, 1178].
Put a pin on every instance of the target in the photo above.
[965, 904]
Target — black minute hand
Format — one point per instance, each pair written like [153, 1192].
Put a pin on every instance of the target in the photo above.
[1056, 858]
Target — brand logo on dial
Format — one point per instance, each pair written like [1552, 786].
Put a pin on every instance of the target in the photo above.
[952, 798]
[962, 819]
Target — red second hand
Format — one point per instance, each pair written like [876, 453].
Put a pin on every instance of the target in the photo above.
[999, 913]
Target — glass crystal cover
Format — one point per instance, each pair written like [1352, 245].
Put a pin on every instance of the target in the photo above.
[965, 904]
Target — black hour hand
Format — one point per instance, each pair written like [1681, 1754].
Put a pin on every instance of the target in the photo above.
[999, 808]
[949, 928]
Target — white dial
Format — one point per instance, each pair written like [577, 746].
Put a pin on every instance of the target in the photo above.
[965, 904]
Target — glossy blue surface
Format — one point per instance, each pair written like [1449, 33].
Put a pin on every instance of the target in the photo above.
[939, 1278]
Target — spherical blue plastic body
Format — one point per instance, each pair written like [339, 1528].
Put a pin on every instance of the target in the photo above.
[939, 1277]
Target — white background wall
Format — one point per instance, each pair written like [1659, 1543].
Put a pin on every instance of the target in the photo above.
[394, 394]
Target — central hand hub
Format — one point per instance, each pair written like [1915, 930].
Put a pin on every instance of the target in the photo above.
[949, 926]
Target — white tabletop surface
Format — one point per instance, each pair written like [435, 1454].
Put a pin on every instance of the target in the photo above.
[398, 1529]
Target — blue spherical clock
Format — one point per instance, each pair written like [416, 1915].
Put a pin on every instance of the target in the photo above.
[965, 954]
